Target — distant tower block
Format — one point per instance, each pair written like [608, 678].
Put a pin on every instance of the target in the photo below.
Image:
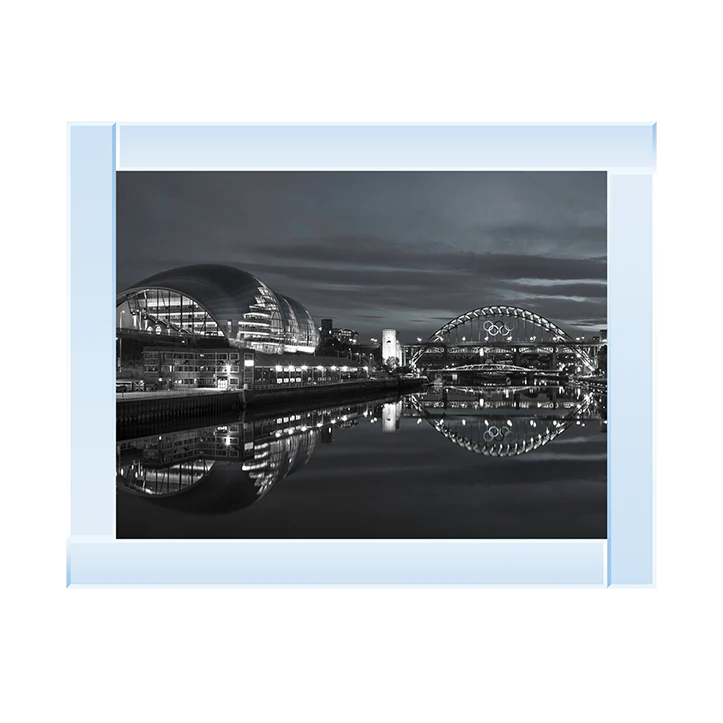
[390, 416]
[389, 344]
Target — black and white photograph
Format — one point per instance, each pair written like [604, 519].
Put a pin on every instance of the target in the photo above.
[361, 355]
[363, 266]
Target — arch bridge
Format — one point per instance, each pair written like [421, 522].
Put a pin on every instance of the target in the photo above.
[505, 328]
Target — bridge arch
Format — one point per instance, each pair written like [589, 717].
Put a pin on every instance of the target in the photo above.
[501, 323]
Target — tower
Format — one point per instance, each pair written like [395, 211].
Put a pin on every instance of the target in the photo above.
[389, 345]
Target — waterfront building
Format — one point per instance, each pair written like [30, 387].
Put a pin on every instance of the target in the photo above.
[216, 302]
[346, 336]
[602, 360]
[230, 368]
[390, 345]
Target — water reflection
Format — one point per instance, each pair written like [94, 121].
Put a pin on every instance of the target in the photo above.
[505, 422]
[224, 468]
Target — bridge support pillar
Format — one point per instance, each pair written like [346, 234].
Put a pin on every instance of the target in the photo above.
[553, 359]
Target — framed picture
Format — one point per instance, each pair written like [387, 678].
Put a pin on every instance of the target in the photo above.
[361, 354]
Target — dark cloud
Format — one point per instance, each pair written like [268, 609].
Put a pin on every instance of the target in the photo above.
[372, 250]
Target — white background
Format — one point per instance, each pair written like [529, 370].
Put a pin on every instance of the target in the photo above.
[360, 655]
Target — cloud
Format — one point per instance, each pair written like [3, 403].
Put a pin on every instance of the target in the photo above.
[392, 249]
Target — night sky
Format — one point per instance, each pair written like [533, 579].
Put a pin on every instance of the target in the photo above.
[381, 249]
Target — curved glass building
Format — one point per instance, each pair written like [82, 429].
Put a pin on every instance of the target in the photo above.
[212, 300]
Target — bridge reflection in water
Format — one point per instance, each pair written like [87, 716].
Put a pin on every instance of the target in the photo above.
[225, 468]
[507, 422]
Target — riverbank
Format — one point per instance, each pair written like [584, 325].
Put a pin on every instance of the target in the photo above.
[143, 407]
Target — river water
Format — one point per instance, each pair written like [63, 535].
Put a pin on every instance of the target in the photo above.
[451, 463]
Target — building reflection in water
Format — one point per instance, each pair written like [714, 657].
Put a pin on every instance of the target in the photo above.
[391, 413]
[220, 469]
[223, 468]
